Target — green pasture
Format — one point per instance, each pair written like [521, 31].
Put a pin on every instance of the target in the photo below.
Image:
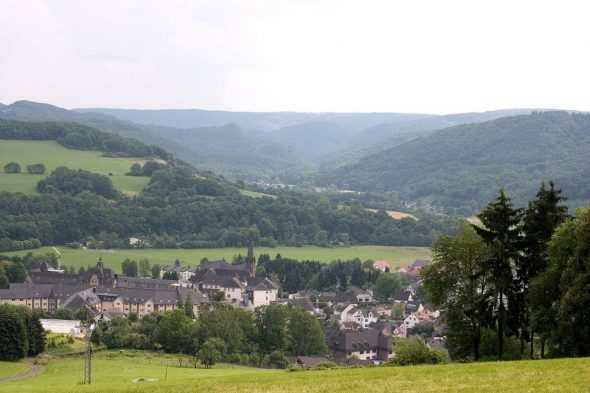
[397, 256]
[256, 194]
[8, 369]
[114, 372]
[53, 155]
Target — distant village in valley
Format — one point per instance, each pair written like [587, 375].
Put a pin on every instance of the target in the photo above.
[358, 326]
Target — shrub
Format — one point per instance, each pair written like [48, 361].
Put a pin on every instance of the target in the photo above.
[12, 167]
[276, 360]
[414, 351]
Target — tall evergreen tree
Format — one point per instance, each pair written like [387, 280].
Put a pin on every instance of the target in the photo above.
[540, 220]
[501, 231]
[14, 343]
[36, 336]
[188, 306]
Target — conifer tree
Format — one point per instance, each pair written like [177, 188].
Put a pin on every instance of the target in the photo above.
[188, 306]
[501, 231]
[540, 220]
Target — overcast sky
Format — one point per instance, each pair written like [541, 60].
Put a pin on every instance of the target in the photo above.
[367, 56]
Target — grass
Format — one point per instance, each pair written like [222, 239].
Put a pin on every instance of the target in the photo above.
[397, 256]
[52, 155]
[113, 372]
[256, 194]
[8, 369]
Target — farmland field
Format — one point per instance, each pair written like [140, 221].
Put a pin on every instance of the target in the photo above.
[52, 155]
[395, 214]
[397, 256]
[256, 194]
[115, 371]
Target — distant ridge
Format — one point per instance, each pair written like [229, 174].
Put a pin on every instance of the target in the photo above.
[462, 167]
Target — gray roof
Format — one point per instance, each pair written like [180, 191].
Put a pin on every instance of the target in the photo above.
[176, 269]
[358, 340]
[27, 291]
[401, 295]
[420, 263]
[141, 282]
[260, 284]
[303, 303]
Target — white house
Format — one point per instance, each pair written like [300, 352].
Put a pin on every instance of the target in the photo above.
[362, 317]
[411, 321]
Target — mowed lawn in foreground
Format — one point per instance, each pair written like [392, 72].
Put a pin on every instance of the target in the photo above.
[115, 375]
[53, 155]
[397, 256]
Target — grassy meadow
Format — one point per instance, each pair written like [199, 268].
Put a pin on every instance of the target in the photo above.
[256, 194]
[113, 372]
[52, 155]
[8, 369]
[397, 256]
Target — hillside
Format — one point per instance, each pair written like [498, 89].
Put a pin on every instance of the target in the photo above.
[230, 151]
[313, 140]
[254, 145]
[259, 121]
[463, 166]
[53, 155]
[225, 149]
[38, 112]
[384, 136]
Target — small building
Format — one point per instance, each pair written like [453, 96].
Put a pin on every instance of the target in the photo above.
[362, 317]
[183, 273]
[382, 265]
[62, 326]
[367, 344]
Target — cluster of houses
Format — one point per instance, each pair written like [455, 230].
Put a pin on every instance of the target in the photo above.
[108, 294]
[362, 328]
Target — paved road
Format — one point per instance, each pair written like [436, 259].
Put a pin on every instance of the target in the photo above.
[34, 370]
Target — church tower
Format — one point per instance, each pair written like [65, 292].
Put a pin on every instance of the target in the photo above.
[251, 260]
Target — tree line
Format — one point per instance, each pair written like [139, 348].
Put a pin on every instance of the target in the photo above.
[521, 276]
[221, 333]
[182, 209]
[293, 275]
[34, 169]
[21, 332]
[79, 137]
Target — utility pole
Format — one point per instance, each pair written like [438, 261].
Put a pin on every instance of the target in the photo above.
[88, 353]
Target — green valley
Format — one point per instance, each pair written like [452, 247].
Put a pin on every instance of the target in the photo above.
[397, 256]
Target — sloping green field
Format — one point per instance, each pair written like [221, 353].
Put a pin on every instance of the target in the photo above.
[52, 155]
[115, 375]
[397, 256]
[8, 369]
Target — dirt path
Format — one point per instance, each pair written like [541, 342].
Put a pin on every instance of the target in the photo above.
[34, 370]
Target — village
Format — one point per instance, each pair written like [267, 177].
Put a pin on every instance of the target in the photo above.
[359, 328]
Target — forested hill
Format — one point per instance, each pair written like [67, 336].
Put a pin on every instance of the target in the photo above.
[259, 121]
[179, 207]
[230, 151]
[463, 166]
[29, 111]
[224, 149]
[79, 137]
